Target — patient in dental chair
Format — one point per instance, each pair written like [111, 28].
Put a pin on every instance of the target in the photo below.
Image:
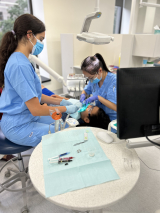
[92, 116]
[95, 117]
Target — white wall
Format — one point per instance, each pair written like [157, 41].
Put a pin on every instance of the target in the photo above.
[67, 16]
[38, 11]
[110, 52]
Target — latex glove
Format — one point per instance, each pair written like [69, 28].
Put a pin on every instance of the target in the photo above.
[71, 109]
[91, 99]
[65, 103]
[82, 98]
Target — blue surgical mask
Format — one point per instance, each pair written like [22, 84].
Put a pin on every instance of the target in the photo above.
[37, 48]
[96, 80]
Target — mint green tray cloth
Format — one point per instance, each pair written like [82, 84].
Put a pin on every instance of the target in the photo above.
[83, 171]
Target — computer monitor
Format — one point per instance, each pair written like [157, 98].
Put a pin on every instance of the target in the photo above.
[138, 100]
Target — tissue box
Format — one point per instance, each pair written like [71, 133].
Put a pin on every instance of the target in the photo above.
[156, 31]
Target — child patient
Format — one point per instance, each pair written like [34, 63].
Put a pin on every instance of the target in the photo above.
[93, 116]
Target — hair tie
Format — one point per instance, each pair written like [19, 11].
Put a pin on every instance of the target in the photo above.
[13, 32]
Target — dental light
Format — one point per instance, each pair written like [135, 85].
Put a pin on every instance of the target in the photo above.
[93, 37]
[55, 75]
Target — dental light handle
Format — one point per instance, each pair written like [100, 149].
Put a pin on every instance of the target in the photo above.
[55, 75]
[88, 20]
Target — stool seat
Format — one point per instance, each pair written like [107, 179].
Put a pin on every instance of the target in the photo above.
[8, 147]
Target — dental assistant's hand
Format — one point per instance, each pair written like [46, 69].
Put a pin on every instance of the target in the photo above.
[82, 98]
[65, 103]
[91, 99]
[71, 109]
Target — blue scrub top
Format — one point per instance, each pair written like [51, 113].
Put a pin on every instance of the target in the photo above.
[21, 85]
[108, 91]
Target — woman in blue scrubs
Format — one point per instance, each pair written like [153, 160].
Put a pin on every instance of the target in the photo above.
[24, 119]
[102, 85]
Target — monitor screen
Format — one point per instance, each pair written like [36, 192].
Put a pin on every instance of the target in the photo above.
[138, 100]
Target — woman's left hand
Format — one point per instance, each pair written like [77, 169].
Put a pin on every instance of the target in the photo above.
[91, 99]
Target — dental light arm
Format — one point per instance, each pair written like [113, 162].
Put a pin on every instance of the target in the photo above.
[87, 22]
[93, 37]
[55, 75]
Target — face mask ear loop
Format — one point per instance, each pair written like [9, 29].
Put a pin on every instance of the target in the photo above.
[31, 42]
[35, 37]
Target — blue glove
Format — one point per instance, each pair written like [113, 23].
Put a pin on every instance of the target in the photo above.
[71, 109]
[65, 103]
[82, 98]
[91, 99]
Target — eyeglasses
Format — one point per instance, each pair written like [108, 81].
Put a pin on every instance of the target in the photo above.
[90, 110]
[91, 79]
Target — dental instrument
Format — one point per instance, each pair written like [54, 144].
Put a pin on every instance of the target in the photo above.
[58, 156]
[59, 124]
[85, 139]
[79, 143]
[83, 108]
[61, 161]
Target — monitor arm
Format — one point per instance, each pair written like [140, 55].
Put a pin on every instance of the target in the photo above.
[55, 75]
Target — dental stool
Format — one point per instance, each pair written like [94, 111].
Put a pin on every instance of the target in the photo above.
[8, 147]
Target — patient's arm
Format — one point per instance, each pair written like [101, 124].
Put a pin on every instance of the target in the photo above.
[59, 97]
[50, 100]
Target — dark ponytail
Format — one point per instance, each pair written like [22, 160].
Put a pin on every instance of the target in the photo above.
[7, 47]
[91, 64]
[101, 59]
[10, 40]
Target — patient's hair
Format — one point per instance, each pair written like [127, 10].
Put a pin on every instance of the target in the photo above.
[99, 120]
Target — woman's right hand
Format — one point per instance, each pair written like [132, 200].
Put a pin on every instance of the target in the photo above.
[71, 109]
[82, 98]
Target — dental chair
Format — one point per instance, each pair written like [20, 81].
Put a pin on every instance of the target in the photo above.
[21, 173]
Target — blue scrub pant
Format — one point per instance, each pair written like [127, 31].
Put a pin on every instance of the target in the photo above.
[30, 134]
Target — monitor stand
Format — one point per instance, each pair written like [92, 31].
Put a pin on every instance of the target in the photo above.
[138, 143]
